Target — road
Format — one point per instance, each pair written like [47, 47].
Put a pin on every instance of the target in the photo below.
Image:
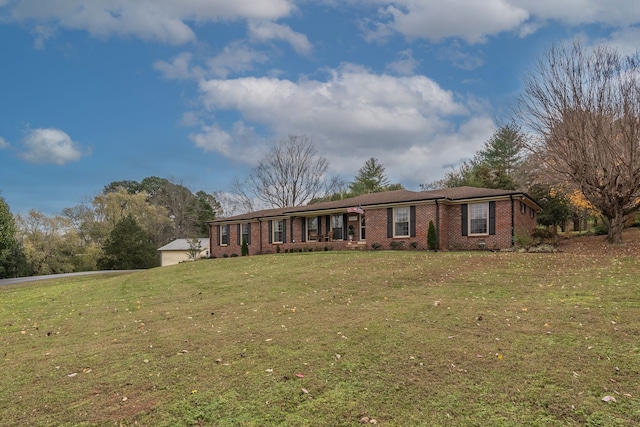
[57, 276]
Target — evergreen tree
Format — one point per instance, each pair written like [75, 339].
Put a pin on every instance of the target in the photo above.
[432, 239]
[371, 179]
[8, 243]
[128, 247]
[495, 165]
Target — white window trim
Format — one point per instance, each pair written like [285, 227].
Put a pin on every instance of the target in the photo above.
[242, 233]
[273, 231]
[408, 221]
[339, 238]
[309, 229]
[470, 233]
[224, 228]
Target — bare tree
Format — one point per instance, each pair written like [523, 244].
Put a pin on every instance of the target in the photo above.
[584, 106]
[292, 174]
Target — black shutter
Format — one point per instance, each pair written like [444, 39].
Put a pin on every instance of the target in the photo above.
[284, 231]
[412, 221]
[328, 225]
[239, 230]
[219, 239]
[270, 229]
[345, 219]
[492, 217]
[303, 222]
[463, 214]
[389, 222]
[248, 233]
[319, 226]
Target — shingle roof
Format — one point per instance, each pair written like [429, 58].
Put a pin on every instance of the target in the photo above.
[386, 197]
[183, 245]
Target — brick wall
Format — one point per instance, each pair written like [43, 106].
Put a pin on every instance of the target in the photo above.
[449, 233]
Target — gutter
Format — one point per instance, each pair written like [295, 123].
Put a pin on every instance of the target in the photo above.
[513, 224]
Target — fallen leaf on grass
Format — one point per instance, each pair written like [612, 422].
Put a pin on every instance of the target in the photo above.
[300, 375]
[608, 399]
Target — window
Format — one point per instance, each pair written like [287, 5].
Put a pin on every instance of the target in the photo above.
[278, 231]
[401, 222]
[532, 213]
[245, 232]
[523, 208]
[336, 227]
[479, 218]
[312, 229]
[224, 235]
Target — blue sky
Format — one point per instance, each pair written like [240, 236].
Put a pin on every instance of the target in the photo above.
[95, 91]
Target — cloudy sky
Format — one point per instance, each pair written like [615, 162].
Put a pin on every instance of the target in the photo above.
[95, 91]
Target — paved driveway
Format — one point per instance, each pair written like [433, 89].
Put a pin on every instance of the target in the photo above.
[57, 276]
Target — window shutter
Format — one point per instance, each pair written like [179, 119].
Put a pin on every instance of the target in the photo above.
[249, 234]
[345, 234]
[492, 217]
[219, 239]
[328, 225]
[270, 229]
[284, 231]
[389, 222]
[239, 230]
[463, 214]
[319, 225]
[412, 221]
[304, 229]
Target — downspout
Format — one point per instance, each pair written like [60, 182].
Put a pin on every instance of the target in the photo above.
[260, 222]
[513, 223]
[437, 226]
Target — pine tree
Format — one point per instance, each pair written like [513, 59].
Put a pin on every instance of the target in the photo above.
[371, 179]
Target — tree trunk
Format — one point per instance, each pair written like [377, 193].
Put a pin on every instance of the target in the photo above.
[616, 225]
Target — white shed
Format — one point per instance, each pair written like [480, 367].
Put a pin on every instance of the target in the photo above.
[179, 250]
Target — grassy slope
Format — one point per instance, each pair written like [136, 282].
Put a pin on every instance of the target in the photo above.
[406, 338]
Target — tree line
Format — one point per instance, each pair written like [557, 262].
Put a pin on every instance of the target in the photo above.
[120, 228]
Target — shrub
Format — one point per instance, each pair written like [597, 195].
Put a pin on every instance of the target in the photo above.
[277, 249]
[431, 237]
[376, 246]
[395, 245]
[234, 255]
[225, 255]
[523, 239]
[244, 250]
[413, 245]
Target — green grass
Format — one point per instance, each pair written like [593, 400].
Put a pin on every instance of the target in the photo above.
[325, 339]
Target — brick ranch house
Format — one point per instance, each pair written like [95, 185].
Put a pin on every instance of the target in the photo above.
[464, 217]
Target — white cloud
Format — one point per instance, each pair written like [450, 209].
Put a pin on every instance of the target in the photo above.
[266, 31]
[3, 143]
[235, 58]
[474, 21]
[179, 68]
[165, 21]
[467, 19]
[50, 146]
[42, 34]
[353, 115]
[404, 65]
[575, 12]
